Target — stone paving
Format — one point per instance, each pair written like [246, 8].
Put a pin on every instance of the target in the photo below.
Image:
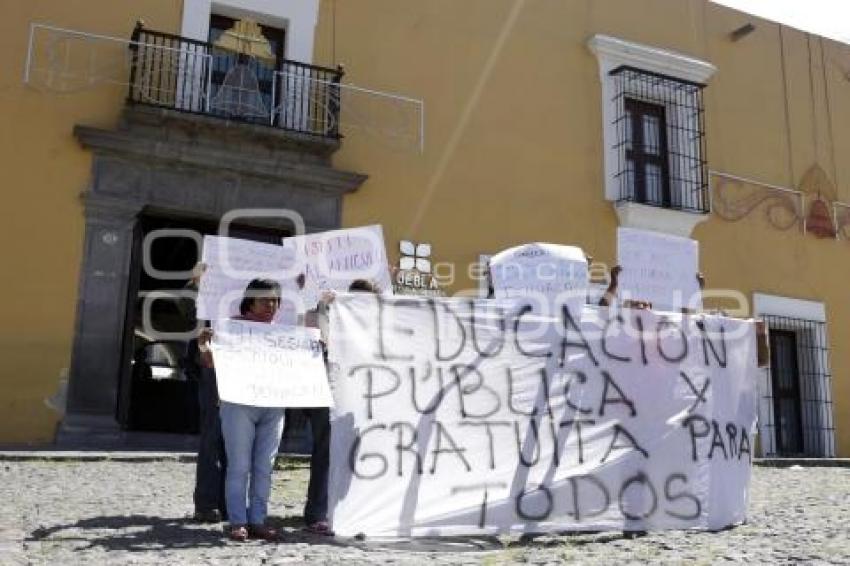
[111, 512]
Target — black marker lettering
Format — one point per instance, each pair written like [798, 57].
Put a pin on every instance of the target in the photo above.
[583, 344]
[474, 326]
[461, 372]
[690, 422]
[671, 497]
[526, 516]
[353, 458]
[577, 508]
[576, 424]
[605, 350]
[700, 393]
[408, 447]
[487, 425]
[581, 377]
[717, 440]
[642, 479]
[438, 353]
[618, 430]
[438, 398]
[667, 323]
[708, 344]
[732, 432]
[517, 321]
[535, 429]
[382, 330]
[442, 433]
[621, 398]
[370, 394]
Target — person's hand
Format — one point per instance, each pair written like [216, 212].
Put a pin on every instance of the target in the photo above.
[204, 337]
[327, 297]
[615, 273]
[197, 273]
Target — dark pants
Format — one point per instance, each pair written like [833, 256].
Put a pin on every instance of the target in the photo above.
[316, 508]
[212, 462]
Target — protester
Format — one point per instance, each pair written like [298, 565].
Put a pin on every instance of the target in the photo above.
[251, 434]
[211, 462]
[316, 508]
[209, 499]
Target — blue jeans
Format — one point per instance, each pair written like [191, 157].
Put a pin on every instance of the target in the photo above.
[251, 439]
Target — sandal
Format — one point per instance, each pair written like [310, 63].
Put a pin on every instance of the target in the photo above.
[263, 532]
[238, 533]
[320, 528]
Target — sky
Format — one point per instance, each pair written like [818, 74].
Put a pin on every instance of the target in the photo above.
[829, 18]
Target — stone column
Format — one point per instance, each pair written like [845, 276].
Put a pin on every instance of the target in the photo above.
[101, 308]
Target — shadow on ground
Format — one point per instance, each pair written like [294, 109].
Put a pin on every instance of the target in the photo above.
[139, 533]
[133, 533]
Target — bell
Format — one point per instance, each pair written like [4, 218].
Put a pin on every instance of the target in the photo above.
[819, 220]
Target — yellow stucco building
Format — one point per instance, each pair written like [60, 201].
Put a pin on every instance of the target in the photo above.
[480, 124]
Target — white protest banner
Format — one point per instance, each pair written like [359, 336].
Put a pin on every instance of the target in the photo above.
[545, 272]
[268, 365]
[332, 260]
[231, 264]
[658, 268]
[460, 417]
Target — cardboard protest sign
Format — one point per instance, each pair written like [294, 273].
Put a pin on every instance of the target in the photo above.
[544, 272]
[658, 268]
[231, 264]
[332, 260]
[268, 365]
[479, 417]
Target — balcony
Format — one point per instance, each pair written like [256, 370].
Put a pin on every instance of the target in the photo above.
[196, 77]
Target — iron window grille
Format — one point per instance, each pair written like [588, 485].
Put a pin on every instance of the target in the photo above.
[796, 405]
[660, 140]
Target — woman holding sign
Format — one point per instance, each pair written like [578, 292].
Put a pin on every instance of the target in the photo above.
[251, 434]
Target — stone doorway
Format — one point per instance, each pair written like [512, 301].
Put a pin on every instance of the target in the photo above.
[166, 164]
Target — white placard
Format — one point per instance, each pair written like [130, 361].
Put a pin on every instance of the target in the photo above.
[231, 263]
[332, 260]
[268, 365]
[658, 268]
[458, 417]
[544, 272]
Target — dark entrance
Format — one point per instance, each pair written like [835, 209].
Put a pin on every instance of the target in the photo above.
[646, 152]
[785, 379]
[158, 391]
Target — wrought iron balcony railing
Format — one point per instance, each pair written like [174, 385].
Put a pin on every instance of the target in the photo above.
[178, 73]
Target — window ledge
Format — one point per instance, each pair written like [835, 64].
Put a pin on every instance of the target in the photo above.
[613, 52]
[657, 219]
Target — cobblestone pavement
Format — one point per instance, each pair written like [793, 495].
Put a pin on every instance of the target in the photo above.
[111, 512]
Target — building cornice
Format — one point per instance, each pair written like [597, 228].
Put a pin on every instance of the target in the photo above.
[244, 158]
